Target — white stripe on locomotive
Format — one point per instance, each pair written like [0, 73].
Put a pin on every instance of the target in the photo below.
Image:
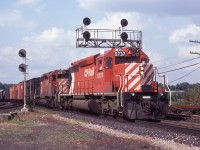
[146, 77]
[72, 84]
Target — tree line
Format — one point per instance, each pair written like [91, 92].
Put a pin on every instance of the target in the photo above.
[190, 96]
[4, 86]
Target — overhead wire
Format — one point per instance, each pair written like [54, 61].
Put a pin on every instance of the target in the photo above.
[184, 75]
[179, 68]
[179, 63]
[168, 58]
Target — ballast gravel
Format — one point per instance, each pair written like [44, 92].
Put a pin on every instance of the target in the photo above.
[163, 137]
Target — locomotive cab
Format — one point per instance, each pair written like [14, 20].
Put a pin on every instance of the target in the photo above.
[133, 79]
[133, 70]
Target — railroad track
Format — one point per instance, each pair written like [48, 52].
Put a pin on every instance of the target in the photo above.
[7, 105]
[179, 125]
[7, 110]
[182, 124]
[195, 117]
[185, 109]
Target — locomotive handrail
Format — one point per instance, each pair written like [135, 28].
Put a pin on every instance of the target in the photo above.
[120, 82]
[138, 75]
[170, 93]
[163, 76]
[119, 95]
[124, 83]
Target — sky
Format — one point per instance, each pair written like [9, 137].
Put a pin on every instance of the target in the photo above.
[46, 30]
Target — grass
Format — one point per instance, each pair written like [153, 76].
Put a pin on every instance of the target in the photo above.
[46, 135]
[63, 135]
[12, 132]
[39, 127]
[30, 123]
[47, 110]
[81, 120]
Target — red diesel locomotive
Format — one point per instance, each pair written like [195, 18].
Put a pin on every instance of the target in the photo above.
[118, 82]
[52, 85]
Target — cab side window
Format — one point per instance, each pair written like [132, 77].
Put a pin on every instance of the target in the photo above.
[108, 62]
[100, 68]
[54, 77]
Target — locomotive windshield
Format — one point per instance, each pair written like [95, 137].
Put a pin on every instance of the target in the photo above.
[62, 76]
[121, 60]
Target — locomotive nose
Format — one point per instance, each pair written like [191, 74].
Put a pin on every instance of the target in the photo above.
[134, 77]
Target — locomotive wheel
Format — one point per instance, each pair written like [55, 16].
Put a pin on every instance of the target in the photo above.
[115, 114]
[127, 119]
[105, 113]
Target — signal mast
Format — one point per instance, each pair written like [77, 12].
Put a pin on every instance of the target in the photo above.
[23, 68]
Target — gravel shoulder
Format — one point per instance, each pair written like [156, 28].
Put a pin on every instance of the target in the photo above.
[48, 129]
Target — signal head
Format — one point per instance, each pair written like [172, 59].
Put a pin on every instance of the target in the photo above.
[86, 21]
[124, 22]
[22, 53]
[124, 36]
[86, 35]
[22, 67]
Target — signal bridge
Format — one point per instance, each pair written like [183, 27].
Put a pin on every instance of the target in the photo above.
[108, 38]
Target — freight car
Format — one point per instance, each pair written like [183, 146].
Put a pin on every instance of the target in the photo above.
[32, 90]
[16, 92]
[2, 94]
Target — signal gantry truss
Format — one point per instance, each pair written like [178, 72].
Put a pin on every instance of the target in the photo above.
[108, 38]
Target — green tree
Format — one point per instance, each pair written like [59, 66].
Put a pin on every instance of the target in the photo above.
[192, 95]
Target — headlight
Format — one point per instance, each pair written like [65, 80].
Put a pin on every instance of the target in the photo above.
[146, 97]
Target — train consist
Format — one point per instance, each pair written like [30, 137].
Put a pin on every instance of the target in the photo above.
[119, 82]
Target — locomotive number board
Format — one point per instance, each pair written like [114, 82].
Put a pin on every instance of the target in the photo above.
[123, 54]
[120, 54]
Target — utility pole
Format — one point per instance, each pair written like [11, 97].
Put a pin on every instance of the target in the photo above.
[191, 52]
[194, 41]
